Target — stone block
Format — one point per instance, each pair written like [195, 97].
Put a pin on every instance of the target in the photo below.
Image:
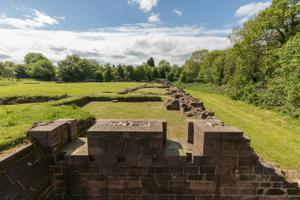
[110, 138]
[172, 104]
[53, 136]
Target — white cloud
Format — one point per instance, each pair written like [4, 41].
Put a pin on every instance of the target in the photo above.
[153, 18]
[35, 19]
[178, 12]
[128, 44]
[246, 12]
[144, 5]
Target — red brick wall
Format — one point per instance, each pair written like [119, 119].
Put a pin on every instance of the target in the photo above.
[226, 169]
[224, 166]
[24, 174]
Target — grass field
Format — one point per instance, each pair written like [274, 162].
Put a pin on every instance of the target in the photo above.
[15, 120]
[36, 88]
[274, 136]
[153, 90]
[147, 110]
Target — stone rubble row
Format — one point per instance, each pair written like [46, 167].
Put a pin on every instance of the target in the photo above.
[190, 106]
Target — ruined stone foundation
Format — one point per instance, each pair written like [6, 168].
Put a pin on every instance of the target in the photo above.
[134, 160]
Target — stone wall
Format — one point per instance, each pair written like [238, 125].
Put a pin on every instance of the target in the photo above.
[218, 163]
[212, 162]
[25, 174]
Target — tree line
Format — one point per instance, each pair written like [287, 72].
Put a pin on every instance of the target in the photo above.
[76, 69]
[263, 65]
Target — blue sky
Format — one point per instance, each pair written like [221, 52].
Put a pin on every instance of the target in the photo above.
[120, 31]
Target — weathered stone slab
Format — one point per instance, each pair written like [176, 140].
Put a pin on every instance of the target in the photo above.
[122, 141]
[52, 136]
[206, 136]
[128, 126]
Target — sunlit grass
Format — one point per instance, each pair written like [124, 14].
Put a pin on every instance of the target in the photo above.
[36, 88]
[16, 120]
[274, 136]
[146, 110]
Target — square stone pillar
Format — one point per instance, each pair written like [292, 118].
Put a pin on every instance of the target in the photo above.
[125, 142]
[52, 136]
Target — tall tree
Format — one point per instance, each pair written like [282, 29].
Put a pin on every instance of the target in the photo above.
[33, 57]
[73, 68]
[43, 70]
[151, 62]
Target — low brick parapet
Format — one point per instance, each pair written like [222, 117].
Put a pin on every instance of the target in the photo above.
[53, 136]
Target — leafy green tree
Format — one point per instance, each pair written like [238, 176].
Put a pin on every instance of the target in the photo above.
[73, 68]
[33, 57]
[164, 67]
[129, 73]
[262, 67]
[107, 73]
[7, 70]
[22, 71]
[190, 71]
[171, 76]
[289, 73]
[185, 77]
[155, 73]
[191, 67]
[118, 73]
[99, 75]
[177, 71]
[151, 62]
[140, 73]
[213, 67]
[199, 55]
[43, 70]
[148, 73]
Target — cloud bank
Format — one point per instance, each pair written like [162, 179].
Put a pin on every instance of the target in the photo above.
[144, 5]
[248, 11]
[128, 44]
[35, 19]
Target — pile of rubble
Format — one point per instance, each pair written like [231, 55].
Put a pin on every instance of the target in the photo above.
[190, 106]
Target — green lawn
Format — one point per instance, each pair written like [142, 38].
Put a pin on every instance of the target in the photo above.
[36, 88]
[15, 120]
[148, 110]
[274, 136]
[153, 90]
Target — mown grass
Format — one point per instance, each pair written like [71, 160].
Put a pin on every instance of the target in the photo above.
[274, 136]
[146, 110]
[153, 90]
[38, 88]
[16, 120]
